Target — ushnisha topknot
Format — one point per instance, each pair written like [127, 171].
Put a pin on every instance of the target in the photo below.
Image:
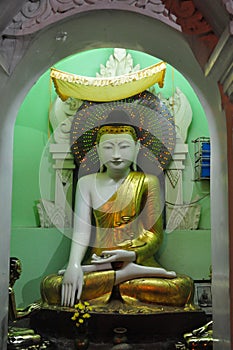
[144, 116]
[118, 122]
[116, 129]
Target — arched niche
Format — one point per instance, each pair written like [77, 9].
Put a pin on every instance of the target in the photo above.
[129, 30]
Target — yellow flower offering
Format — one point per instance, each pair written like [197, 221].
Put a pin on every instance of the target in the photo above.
[82, 314]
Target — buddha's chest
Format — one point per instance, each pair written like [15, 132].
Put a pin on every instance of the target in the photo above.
[110, 191]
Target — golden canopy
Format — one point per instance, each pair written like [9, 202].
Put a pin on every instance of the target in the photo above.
[105, 89]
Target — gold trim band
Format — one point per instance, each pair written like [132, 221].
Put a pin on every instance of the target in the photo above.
[119, 129]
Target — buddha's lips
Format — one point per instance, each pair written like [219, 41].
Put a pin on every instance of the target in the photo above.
[116, 162]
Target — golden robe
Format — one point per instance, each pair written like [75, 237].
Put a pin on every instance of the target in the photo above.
[131, 219]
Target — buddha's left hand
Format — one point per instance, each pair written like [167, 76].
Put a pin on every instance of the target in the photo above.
[114, 255]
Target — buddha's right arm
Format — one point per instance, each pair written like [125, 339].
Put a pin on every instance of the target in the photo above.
[73, 277]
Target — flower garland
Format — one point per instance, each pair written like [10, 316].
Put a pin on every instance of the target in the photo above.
[82, 313]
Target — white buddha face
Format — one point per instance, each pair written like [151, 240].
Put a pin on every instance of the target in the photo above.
[117, 151]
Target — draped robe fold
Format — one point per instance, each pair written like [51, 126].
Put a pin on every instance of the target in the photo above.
[130, 219]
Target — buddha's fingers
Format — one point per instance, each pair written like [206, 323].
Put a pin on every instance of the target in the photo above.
[64, 303]
[69, 292]
[62, 294]
[79, 287]
[172, 274]
[72, 297]
[65, 294]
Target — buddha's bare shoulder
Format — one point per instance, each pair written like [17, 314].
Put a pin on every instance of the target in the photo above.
[147, 177]
[87, 180]
[151, 179]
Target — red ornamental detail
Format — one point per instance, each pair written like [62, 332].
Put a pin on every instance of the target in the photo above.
[192, 22]
[180, 8]
[195, 24]
[188, 17]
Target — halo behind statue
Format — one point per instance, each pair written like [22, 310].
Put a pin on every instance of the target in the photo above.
[147, 113]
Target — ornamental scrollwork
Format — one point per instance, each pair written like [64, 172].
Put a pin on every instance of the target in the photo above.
[36, 14]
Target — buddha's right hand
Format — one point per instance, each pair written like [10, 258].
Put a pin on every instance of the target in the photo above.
[72, 282]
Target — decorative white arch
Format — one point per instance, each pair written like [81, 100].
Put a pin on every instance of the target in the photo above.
[133, 31]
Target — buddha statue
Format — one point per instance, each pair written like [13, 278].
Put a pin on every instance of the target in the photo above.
[118, 215]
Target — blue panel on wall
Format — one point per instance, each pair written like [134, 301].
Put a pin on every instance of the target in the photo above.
[205, 146]
[202, 158]
[205, 171]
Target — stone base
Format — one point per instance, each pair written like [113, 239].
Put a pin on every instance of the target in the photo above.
[141, 328]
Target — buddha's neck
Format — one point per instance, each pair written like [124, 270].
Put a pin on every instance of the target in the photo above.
[117, 175]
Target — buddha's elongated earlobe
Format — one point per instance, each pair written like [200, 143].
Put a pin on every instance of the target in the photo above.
[138, 145]
[135, 162]
[101, 163]
[101, 168]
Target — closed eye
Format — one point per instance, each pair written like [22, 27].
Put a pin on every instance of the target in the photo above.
[124, 146]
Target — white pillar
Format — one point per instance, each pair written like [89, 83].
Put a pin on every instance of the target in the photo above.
[174, 173]
[63, 165]
[59, 212]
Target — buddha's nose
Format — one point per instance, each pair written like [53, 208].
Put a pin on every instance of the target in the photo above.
[116, 153]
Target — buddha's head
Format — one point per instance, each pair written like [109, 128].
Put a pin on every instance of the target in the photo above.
[117, 142]
[141, 118]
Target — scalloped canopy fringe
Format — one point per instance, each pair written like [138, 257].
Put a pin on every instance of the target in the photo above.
[106, 89]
